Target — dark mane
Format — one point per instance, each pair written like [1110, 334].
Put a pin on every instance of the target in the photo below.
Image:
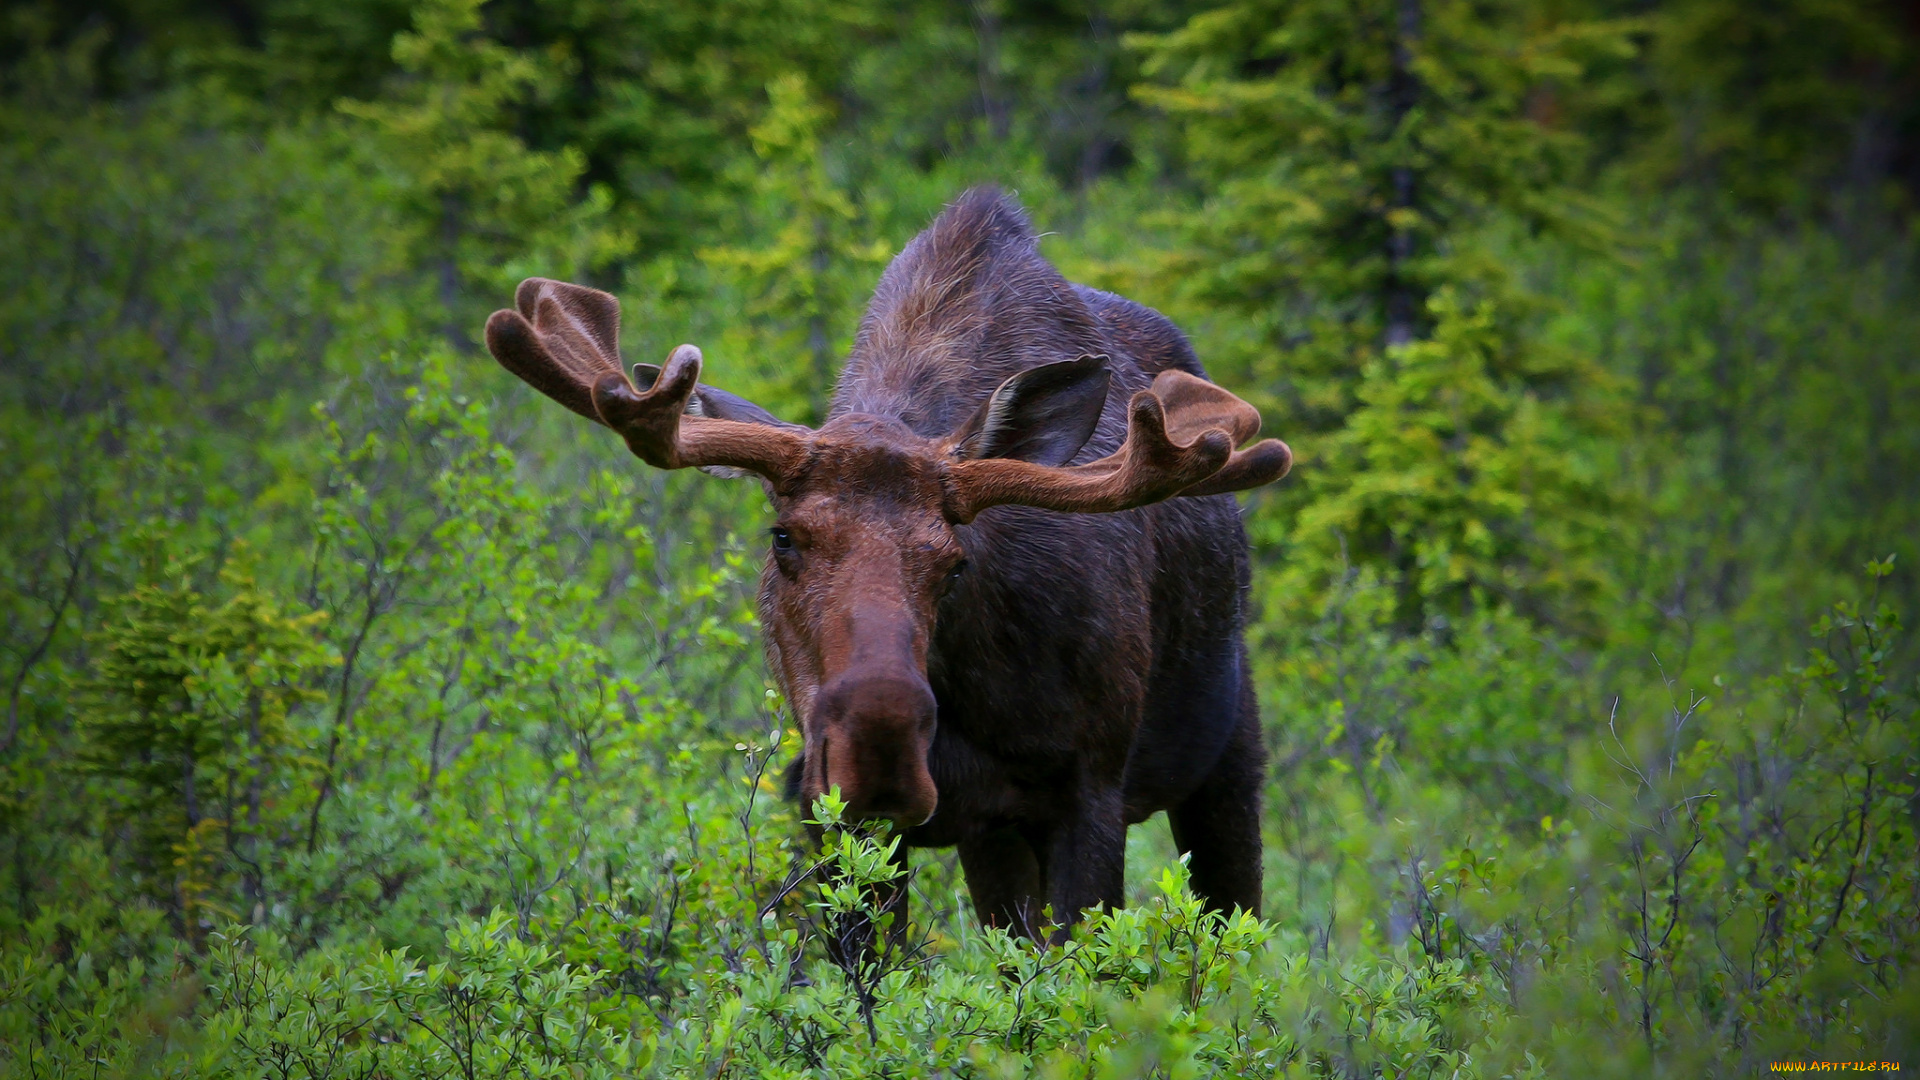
[969, 302]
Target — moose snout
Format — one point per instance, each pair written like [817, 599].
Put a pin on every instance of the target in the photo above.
[873, 735]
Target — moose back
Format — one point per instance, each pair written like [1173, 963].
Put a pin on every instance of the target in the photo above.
[1006, 587]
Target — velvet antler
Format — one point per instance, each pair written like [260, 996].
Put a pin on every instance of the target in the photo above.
[1180, 439]
[564, 341]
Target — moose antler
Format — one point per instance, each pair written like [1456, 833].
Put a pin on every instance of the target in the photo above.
[564, 341]
[1180, 438]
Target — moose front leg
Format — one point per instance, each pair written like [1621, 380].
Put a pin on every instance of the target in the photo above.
[1086, 858]
[1003, 875]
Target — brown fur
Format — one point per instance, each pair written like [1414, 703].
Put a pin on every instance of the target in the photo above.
[1015, 680]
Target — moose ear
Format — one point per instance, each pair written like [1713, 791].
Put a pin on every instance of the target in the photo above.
[1043, 414]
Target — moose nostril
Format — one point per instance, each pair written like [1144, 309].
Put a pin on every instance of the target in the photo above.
[880, 727]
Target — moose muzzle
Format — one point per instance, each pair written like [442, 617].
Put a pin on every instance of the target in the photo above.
[870, 737]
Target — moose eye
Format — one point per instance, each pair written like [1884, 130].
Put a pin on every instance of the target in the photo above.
[953, 577]
[782, 540]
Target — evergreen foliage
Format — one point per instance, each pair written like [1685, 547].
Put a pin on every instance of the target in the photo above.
[1358, 153]
[189, 712]
[365, 717]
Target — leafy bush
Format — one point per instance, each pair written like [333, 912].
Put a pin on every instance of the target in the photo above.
[365, 718]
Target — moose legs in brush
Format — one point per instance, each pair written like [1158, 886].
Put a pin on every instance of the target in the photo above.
[1086, 857]
[1003, 876]
[1015, 873]
[1218, 825]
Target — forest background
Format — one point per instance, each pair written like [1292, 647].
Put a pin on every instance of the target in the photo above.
[367, 716]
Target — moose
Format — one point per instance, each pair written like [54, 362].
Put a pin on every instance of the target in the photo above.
[1006, 588]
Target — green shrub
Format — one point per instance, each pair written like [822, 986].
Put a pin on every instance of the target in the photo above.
[366, 718]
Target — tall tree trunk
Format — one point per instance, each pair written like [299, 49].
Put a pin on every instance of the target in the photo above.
[1403, 299]
[190, 797]
[993, 98]
[76, 559]
[819, 344]
[449, 273]
[255, 879]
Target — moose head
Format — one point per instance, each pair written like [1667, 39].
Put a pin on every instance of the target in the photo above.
[871, 514]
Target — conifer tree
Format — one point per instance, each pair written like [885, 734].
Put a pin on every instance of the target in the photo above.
[190, 701]
[490, 209]
[804, 285]
[1362, 157]
[1772, 108]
